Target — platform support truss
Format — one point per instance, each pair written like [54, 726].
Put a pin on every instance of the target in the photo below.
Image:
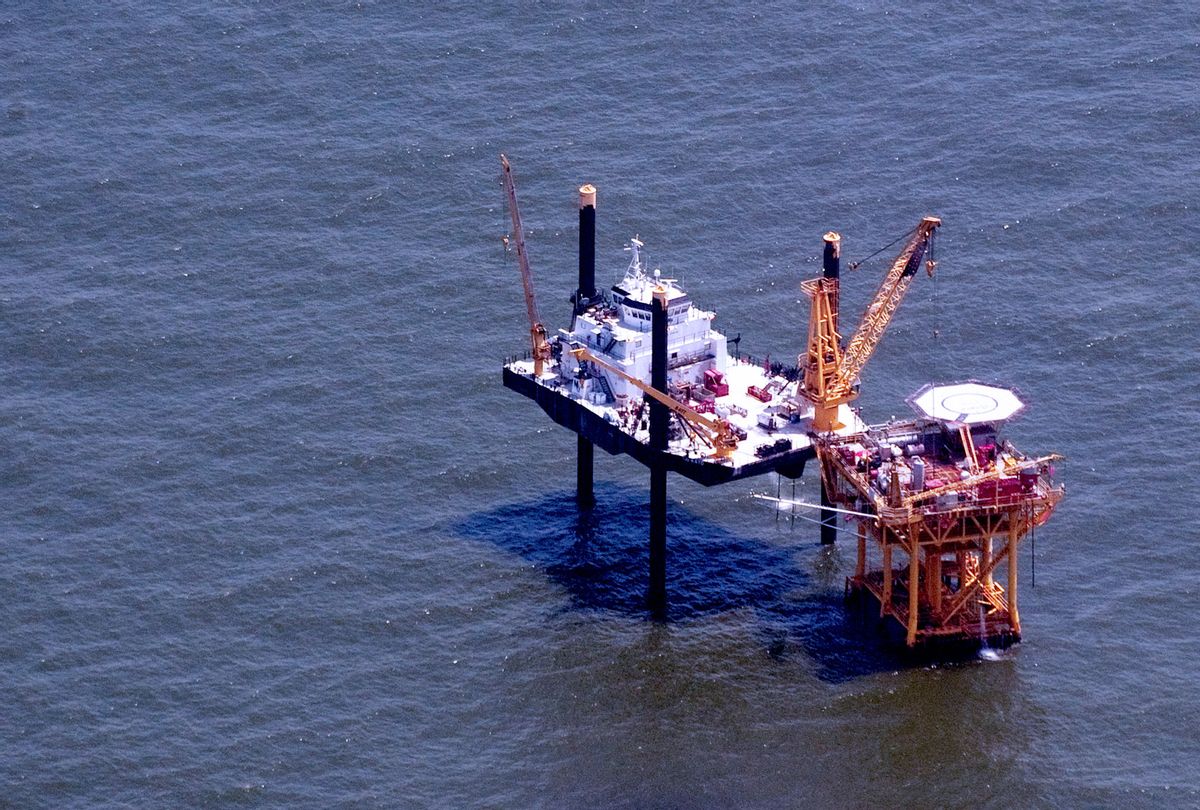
[936, 572]
[936, 580]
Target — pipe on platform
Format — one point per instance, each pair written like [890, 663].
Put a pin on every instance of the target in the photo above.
[831, 262]
[831, 271]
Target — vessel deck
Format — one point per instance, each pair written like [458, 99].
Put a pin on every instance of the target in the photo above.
[602, 424]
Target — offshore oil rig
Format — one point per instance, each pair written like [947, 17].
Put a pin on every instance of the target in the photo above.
[941, 503]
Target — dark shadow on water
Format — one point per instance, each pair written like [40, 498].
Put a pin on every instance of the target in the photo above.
[601, 559]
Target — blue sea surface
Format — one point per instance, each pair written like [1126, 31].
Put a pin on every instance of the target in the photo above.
[275, 535]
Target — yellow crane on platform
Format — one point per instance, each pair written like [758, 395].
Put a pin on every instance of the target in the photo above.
[715, 432]
[831, 372]
[537, 332]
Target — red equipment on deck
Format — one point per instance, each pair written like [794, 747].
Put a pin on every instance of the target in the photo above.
[758, 393]
[715, 381]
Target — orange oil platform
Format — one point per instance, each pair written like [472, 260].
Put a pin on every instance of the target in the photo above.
[939, 511]
[941, 503]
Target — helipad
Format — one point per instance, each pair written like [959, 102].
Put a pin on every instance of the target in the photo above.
[966, 403]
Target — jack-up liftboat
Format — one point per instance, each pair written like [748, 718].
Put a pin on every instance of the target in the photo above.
[941, 490]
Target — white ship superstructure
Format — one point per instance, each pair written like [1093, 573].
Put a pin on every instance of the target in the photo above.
[619, 332]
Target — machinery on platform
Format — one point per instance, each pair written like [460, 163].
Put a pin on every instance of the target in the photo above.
[940, 505]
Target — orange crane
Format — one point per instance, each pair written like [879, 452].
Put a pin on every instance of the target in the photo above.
[537, 332]
[715, 432]
[831, 372]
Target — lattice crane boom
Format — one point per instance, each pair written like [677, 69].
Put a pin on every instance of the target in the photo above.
[717, 433]
[537, 332]
[887, 298]
[830, 372]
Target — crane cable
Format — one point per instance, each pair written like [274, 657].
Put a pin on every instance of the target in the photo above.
[857, 264]
[937, 305]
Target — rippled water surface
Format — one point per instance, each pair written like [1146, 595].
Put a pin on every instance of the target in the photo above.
[275, 535]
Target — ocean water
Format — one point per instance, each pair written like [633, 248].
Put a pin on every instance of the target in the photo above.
[275, 535]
